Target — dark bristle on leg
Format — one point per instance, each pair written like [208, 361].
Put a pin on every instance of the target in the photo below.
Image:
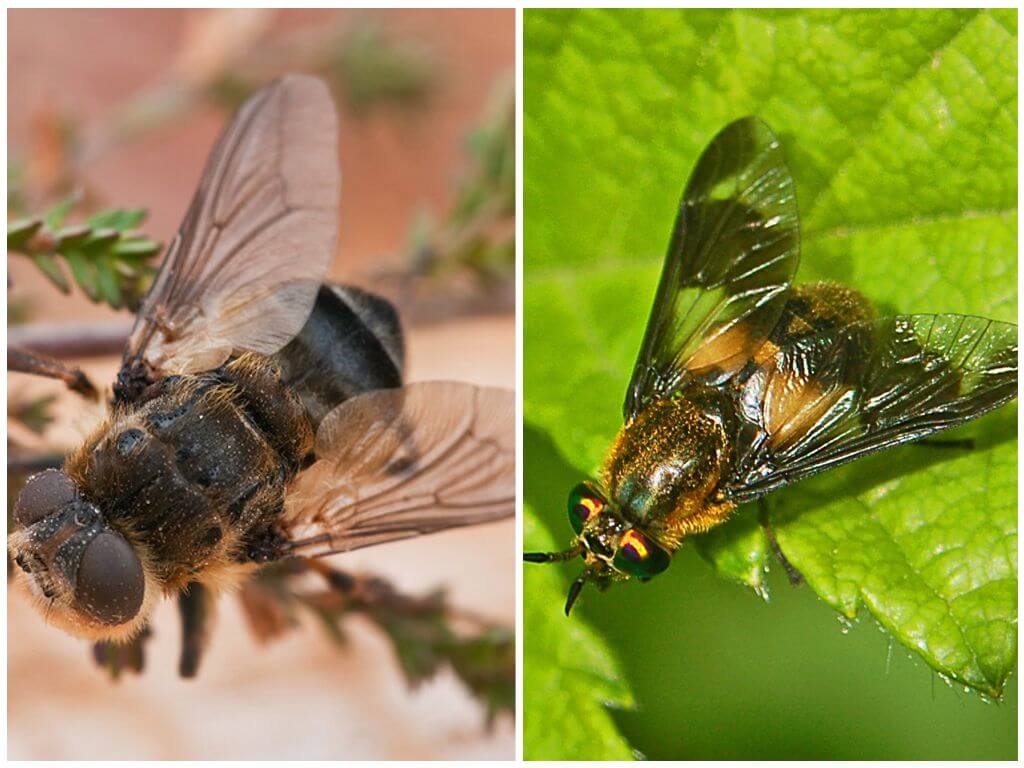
[195, 606]
[965, 444]
[574, 592]
[552, 557]
[118, 657]
[795, 577]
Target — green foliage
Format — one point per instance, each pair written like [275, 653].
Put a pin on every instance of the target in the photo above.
[107, 259]
[929, 547]
[422, 630]
[738, 550]
[36, 413]
[371, 70]
[367, 66]
[478, 232]
[900, 129]
[567, 666]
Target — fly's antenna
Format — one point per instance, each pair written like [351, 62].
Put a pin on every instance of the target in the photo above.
[553, 557]
[557, 557]
[574, 591]
[593, 572]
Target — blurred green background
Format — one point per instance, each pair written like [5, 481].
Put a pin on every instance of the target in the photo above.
[722, 675]
[900, 130]
[717, 673]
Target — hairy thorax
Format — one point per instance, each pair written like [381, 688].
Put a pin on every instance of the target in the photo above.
[195, 476]
[664, 466]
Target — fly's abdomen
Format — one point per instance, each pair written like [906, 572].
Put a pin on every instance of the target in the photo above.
[792, 401]
[816, 307]
[351, 343]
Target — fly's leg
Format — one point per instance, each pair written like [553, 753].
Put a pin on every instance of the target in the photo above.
[345, 593]
[372, 594]
[134, 382]
[27, 361]
[265, 546]
[116, 657]
[795, 577]
[196, 606]
[424, 615]
[552, 557]
[965, 444]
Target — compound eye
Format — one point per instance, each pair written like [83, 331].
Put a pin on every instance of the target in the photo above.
[43, 494]
[639, 556]
[110, 583]
[584, 503]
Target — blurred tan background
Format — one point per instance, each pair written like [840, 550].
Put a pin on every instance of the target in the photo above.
[404, 155]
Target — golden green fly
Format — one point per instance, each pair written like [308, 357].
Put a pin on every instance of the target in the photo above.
[745, 382]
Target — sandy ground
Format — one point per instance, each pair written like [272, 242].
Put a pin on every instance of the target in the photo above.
[300, 697]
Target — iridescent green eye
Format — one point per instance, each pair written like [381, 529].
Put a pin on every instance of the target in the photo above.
[583, 504]
[639, 556]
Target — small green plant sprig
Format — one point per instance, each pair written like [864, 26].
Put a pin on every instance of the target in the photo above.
[106, 257]
[422, 630]
[478, 232]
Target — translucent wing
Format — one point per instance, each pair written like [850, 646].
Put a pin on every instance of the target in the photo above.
[837, 395]
[733, 253]
[244, 269]
[403, 462]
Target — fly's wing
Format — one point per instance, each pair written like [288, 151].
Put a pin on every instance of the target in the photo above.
[733, 253]
[397, 463]
[244, 269]
[834, 396]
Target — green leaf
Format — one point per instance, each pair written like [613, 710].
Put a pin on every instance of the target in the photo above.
[54, 217]
[738, 550]
[138, 248]
[84, 272]
[107, 282]
[19, 232]
[100, 241]
[49, 267]
[108, 264]
[375, 71]
[932, 553]
[72, 237]
[119, 219]
[35, 414]
[900, 129]
[569, 674]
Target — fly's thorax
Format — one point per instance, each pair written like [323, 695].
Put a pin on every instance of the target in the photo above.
[198, 470]
[666, 462]
[818, 306]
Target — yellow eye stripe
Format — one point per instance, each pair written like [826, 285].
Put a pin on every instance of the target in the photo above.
[592, 505]
[637, 542]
